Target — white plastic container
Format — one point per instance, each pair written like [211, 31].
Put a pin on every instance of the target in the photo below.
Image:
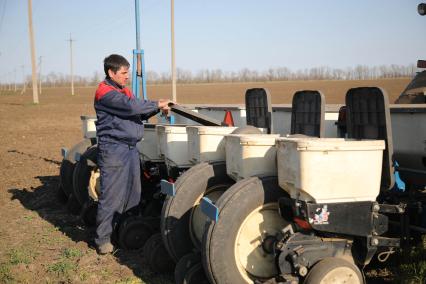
[173, 145]
[250, 155]
[207, 143]
[148, 146]
[330, 170]
[88, 126]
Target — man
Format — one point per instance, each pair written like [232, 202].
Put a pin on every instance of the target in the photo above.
[119, 127]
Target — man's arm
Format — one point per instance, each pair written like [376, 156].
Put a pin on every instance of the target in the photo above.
[121, 105]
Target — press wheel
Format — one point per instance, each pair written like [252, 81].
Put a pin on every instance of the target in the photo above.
[185, 264]
[156, 255]
[133, 233]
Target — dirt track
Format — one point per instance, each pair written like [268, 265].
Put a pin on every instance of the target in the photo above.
[39, 240]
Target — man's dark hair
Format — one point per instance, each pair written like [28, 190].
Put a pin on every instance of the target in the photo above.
[115, 62]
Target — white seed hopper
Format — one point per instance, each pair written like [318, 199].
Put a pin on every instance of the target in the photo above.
[250, 155]
[207, 143]
[330, 170]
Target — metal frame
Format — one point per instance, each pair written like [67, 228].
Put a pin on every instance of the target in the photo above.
[138, 70]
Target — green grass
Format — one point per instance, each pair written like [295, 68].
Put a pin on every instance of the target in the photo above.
[21, 255]
[412, 268]
[412, 264]
[83, 275]
[15, 256]
[5, 274]
[49, 237]
[129, 280]
[62, 268]
[67, 265]
[28, 218]
[105, 273]
[72, 253]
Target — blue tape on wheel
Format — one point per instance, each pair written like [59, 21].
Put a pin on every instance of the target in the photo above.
[168, 188]
[209, 209]
[64, 152]
[77, 157]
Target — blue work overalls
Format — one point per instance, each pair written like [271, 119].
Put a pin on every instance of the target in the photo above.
[118, 128]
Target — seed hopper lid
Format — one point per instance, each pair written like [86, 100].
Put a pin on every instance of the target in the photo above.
[254, 139]
[171, 128]
[331, 144]
[210, 130]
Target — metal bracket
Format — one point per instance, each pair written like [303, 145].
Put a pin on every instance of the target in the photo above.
[168, 188]
[209, 209]
[384, 242]
[395, 209]
[64, 152]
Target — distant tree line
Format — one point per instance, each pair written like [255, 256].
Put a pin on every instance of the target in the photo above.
[360, 72]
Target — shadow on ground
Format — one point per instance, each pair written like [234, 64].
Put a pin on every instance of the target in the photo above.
[49, 203]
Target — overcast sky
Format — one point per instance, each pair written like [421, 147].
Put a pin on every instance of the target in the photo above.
[221, 34]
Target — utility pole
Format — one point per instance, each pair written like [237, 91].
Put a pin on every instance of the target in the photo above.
[39, 71]
[24, 85]
[14, 71]
[9, 88]
[173, 50]
[33, 54]
[72, 76]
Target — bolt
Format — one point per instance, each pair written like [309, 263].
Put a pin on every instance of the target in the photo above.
[374, 242]
[302, 271]
[376, 207]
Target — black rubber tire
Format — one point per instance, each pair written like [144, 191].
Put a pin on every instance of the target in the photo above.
[73, 206]
[153, 208]
[60, 194]
[67, 166]
[156, 255]
[177, 210]
[152, 241]
[218, 251]
[82, 173]
[196, 275]
[319, 271]
[89, 212]
[185, 264]
[134, 232]
[248, 129]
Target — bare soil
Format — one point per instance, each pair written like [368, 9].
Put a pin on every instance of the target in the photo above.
[40, 241]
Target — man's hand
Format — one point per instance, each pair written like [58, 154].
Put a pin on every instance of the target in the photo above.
[163, 105]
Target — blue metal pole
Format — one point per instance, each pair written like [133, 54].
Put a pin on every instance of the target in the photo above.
[135, 79]
[143, 75]
[136, 54]
[138, 72]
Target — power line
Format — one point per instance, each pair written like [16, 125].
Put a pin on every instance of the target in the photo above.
[14, 71]
[71, 67]
[24, 85]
